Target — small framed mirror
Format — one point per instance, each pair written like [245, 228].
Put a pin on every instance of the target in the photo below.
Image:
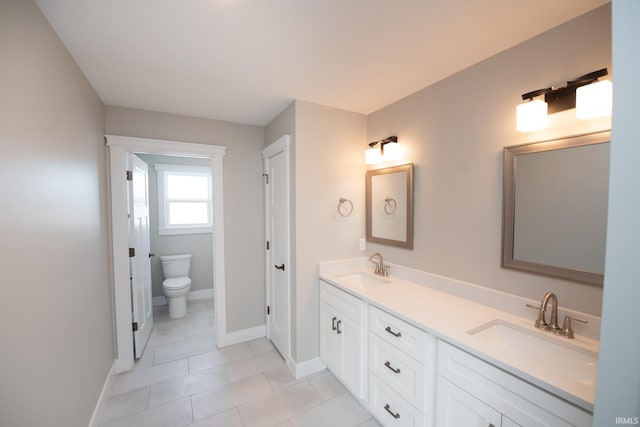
[389, 199]
[555, 203]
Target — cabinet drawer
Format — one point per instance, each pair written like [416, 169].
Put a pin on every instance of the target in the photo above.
[402, 373]
[406, 337]
[390, 408]
[346, 303]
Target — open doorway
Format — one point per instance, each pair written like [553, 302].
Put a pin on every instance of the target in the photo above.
[120, 150]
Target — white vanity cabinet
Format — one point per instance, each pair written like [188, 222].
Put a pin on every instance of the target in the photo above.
[399, 372]
[342, 337]
[475, 393]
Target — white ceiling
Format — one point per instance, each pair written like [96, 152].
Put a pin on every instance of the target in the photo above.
[245, 60]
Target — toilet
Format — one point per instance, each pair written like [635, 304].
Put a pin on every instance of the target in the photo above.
[177, 283]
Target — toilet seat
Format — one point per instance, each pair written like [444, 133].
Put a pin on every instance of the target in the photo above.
[177, 283]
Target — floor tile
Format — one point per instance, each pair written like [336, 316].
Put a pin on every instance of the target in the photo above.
[146, 361]
[143, 377]
[230, 418]
[280, 406]
[205, 334]
[260, 345]
[280, 378]
[187, 385]
[327, 385]
[180, 351]
[166, 340]
[174, 414]
[120, 405]
[263, 362]
[371, 423]
[229, 396]
[218, 357]
[343, 411]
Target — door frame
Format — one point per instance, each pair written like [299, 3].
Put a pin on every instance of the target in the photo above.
[119, 148]
[283, 145]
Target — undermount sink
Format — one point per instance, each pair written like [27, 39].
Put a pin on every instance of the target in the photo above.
[539, 350]
[364, 280]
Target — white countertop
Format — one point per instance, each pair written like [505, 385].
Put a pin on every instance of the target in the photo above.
[450, 317]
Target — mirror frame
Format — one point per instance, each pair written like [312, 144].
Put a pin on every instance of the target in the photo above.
[408, 168]
[508, 207]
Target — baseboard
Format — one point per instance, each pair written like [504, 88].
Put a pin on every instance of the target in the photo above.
[106, 388]
[308, 367]
[243, 335]
[191, 296]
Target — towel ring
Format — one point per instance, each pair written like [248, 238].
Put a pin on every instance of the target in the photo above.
[349, 207]
[390, 206]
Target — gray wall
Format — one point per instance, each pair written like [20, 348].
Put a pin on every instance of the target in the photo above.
[56, 318]
[454, 131]
[200, 246]
[329, 164]
[243, 206]
[618, 391]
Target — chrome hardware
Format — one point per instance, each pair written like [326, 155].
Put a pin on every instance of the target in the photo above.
[395, 334]
[552, 326]
[338, 327]
[541, 323]
[381, 269]
[388, 409]
[567, 330]
[333, 323]
[553, 322]
[388, 365]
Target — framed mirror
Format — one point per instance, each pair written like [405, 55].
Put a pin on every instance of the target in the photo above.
[389, 199]
[555, 200]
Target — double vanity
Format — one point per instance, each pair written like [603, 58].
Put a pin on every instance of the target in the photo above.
[422, 350]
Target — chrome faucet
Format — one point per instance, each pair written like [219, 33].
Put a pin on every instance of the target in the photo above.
[381, 269]
[553, 322]
[541, 322]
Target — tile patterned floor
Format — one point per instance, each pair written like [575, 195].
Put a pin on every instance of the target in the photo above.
[182, 379]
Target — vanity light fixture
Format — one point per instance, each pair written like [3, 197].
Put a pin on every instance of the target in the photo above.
[389, 150]
[594, 100]
[532, 114]
[591, 99]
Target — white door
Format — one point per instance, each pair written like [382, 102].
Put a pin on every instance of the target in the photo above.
[278, 268]
[142, 307]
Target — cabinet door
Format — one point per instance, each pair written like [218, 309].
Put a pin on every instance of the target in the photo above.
[329, 351]
[458, 408]
[349, 334]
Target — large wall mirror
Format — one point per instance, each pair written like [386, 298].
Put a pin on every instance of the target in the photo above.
[555, 207]
[389, 198]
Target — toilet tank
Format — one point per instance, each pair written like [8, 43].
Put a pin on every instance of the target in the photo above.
[175, 265]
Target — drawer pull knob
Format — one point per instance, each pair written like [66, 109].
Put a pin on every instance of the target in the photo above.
[395, 334]
[339, 323]
[388, 365]
[333, 323]
[388, 409]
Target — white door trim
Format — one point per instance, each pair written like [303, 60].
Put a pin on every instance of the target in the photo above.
[119, 148]
[283, 145]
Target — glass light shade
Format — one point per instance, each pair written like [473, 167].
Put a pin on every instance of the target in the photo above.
[531, 116]
[392, 151]
[594, 100]
[372, 156]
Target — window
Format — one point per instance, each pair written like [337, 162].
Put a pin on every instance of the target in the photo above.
[184, 199]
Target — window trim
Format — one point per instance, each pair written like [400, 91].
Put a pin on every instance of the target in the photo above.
[163, 171]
